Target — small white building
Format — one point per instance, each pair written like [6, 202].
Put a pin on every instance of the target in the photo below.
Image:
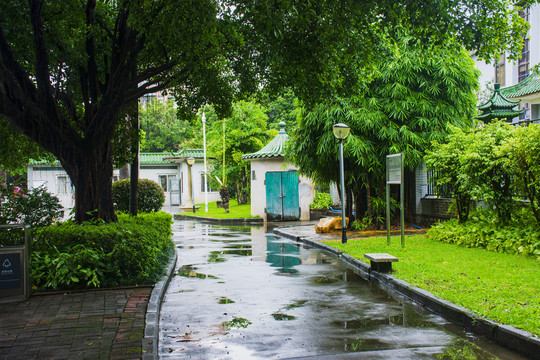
[278, 192]
[169, 170]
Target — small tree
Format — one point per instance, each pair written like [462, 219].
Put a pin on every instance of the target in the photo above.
[522, 152]
[484, 168]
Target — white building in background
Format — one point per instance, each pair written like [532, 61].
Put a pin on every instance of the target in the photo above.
[170, 171]
[516, 78]
[278, 192]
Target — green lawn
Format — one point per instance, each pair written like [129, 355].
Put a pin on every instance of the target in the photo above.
[501, 287]
[235, 211]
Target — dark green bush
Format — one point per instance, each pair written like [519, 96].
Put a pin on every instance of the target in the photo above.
[133, 251]
[150, 198]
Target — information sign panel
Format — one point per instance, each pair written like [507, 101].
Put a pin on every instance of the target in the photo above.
[394, 166]
[15, 284]
[10, 271]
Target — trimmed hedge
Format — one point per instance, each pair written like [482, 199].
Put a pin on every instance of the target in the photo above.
[150, 196]
[133, 251]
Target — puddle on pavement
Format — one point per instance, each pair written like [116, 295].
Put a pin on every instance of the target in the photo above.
[300, 302]
[327, 279]
[236, 323]
[189, 271]
[296, 304]
[225, 300]
[282, 317]
[215, 257]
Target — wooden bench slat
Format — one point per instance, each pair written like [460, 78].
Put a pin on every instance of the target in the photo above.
[381, 257]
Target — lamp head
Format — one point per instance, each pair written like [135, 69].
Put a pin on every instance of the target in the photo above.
[341, 131]
[190, 160]
[203, 117]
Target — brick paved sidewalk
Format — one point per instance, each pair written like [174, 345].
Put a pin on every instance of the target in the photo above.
[106, 324]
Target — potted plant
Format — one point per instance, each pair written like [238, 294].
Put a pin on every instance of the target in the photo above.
[320, 205]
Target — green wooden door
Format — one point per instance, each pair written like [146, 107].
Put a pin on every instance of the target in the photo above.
[282, 202]
[289, 187]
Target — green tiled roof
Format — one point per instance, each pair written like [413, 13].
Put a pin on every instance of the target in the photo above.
[498, 107]
[154, 158]
[528, 86]
[149, 157]
[498, 101]
[274, 148]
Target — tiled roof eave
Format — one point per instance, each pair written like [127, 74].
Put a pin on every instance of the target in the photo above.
[530, 85]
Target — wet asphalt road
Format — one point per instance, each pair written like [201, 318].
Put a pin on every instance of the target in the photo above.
[242, 293]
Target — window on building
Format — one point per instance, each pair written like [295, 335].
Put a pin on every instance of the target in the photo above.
[253, 177]
[524, 13]
[209, 186]
[165, 182]
[499, 70]
[526, 116]
[523, 64]
[63, 185]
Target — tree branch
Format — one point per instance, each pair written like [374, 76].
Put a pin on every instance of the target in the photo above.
[42, 56]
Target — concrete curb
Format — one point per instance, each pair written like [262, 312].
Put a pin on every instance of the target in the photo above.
[151, 330]
[246, 221]
[505, 335]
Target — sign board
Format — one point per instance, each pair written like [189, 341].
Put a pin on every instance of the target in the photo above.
[394, 166]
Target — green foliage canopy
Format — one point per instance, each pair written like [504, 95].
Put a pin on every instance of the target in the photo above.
[163, 131]
[413, 98]
[71, 70]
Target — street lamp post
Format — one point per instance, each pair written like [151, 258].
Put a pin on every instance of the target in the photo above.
[191, 160]
[341, 131]
[205, 169]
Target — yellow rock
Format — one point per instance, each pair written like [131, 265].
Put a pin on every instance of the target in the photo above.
[327, 224]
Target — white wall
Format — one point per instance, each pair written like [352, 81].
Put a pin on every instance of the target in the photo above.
[196, 171]
[259, 167]
[49, 178]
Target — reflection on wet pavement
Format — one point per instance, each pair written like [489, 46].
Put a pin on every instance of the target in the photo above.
[241, 293]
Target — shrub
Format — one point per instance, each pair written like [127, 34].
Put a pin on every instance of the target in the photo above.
[483, 230]
[150, 196]
[133, 251]
[35, 207]
[321, 201]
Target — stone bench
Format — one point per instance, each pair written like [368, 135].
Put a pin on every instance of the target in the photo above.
[381, 262]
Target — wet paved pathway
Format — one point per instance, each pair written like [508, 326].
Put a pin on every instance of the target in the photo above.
[106, 324]
[241, 293]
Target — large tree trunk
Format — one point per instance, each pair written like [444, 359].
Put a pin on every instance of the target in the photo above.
[91, 174]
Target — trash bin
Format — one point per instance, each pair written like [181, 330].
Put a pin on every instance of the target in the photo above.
[15, 267]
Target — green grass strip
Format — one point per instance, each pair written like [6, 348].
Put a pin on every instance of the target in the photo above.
[501, 287]
[235, 211]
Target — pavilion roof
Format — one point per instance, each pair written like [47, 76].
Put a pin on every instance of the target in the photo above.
[274, 148]
[498, 107]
